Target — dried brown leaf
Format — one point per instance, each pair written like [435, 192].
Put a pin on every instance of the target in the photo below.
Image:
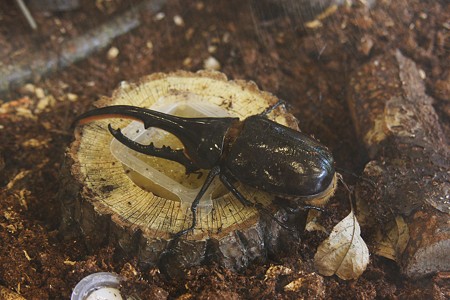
[394, 242]
[344, 252]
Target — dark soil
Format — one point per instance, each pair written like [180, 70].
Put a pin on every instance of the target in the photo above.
[308, 67]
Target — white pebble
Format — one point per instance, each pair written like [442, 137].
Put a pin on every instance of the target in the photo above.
[212, 49]
[226, 37]
[187, 62]
[159, 16]
[112, 53]
[178, 20]
[422, 74]
[72, 97]
[423, 16]
[211, 63]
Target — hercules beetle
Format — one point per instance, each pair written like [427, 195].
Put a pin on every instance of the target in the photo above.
[255, 151]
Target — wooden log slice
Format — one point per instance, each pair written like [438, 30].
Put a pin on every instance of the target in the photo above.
[396, 121]
[109, 207]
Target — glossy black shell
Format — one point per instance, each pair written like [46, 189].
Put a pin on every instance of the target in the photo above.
[278, 159]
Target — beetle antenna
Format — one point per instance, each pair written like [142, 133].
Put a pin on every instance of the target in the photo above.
[273, 107]
[350, 193]
[356, 176]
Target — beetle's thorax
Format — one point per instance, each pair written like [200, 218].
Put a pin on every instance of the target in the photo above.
[204, 139]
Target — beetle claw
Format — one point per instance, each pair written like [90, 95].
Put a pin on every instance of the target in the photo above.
[292, 210]
[181, 233]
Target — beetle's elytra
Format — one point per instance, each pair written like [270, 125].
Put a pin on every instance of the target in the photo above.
[255, 151]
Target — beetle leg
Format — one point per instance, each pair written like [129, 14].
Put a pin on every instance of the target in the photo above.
[235, 191]
[165, 152]
[213, 173]
[355, 176]
[246, 202]
[272, 108]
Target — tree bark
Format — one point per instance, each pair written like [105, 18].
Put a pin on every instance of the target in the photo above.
[396, 121]
[109, 207]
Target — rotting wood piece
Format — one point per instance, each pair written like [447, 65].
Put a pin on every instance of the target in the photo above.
[42, 63]
[410, 158]
[109, 207]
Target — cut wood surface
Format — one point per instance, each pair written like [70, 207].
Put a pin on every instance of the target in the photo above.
[112, 208]
[395, 119]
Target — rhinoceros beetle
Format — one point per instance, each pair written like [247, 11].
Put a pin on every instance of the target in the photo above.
[255, 151]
